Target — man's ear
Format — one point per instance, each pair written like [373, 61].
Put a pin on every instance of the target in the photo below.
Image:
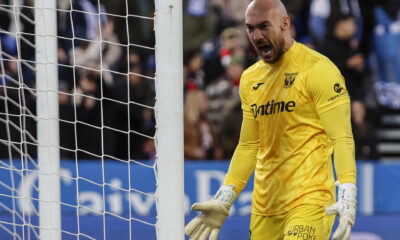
[285, 23]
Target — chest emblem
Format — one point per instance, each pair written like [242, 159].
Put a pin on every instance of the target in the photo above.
[289, 79]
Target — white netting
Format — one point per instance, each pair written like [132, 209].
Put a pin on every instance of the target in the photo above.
[106, 90]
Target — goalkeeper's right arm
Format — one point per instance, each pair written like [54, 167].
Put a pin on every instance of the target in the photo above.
[214, 212]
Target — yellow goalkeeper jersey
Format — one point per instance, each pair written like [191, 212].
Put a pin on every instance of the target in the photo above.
[294, 164]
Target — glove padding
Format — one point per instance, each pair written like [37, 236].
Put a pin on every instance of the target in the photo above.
[345, 208]
[212, 215]
[209, 222]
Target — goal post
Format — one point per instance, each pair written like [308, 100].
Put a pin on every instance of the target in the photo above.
[169, 115]
[47, 119]
[91, 120]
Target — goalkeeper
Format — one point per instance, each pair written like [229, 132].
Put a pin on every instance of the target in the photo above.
[296, 113]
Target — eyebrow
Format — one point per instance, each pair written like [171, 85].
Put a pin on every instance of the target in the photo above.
[258, 24]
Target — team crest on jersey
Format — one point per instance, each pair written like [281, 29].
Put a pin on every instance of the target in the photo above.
[289, 79]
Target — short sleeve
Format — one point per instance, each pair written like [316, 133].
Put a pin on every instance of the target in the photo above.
[247, 113]
[327, 86]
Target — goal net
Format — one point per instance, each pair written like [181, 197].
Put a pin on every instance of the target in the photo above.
[91, 129]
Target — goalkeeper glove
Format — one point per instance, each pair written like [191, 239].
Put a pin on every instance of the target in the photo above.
[212, 215]
[345, 208]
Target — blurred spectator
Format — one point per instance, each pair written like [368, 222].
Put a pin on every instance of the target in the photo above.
[93, 54]
[298, 11]
[193, 74]
[338, 46]
[7, 24]
[199, 24]
[136, 92]
[111, 52]
[28, 30]
[23, 26]
[388, 94]
[387, 40]
[293, 7]
[65, 71]
[230, 13]
[141, 30]
[149, 149]
[293, 31]
[200, 138]
[67, 117]
[219, 53]
[141, 91]
[14, 101]
[89, 115]
[11, 72]
[321, 10]
[368, 22]
[223, 94]
[231, 10]
[11, 27]
[231, 46]
[86, 20]
[363, 132]
[230, 131]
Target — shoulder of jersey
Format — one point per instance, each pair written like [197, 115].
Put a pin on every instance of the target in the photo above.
[253, 72]
[250, 74]
[253, 69]
[307, 57]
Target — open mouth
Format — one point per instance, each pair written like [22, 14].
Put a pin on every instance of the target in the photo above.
[265, 49]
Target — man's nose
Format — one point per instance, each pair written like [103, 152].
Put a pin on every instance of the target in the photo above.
[257, 35]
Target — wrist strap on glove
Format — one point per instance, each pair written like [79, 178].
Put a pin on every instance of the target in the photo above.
[347, 201]
[226, 195]
[347, 192]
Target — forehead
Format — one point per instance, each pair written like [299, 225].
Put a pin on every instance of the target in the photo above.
[260, 14]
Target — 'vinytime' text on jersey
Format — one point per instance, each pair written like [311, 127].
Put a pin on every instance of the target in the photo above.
[272, 108]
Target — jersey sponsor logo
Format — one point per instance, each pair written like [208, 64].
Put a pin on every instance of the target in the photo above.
[338, 96]
[289, 79]
[340, 90]
[337, 87]
[258, 85]
[272, 107]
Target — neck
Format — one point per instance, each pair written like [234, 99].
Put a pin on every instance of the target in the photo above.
[288, 44]
[286, 47]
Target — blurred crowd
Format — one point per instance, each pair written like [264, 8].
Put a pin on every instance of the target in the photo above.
[361, 37]
[107, 91]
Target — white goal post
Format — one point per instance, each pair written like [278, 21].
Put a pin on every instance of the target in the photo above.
[169, 112]
[47, 119]
[31, 195]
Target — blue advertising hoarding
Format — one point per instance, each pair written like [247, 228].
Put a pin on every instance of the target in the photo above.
[127, 192]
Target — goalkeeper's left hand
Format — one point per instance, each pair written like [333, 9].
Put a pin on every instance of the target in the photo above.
[345, 208]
